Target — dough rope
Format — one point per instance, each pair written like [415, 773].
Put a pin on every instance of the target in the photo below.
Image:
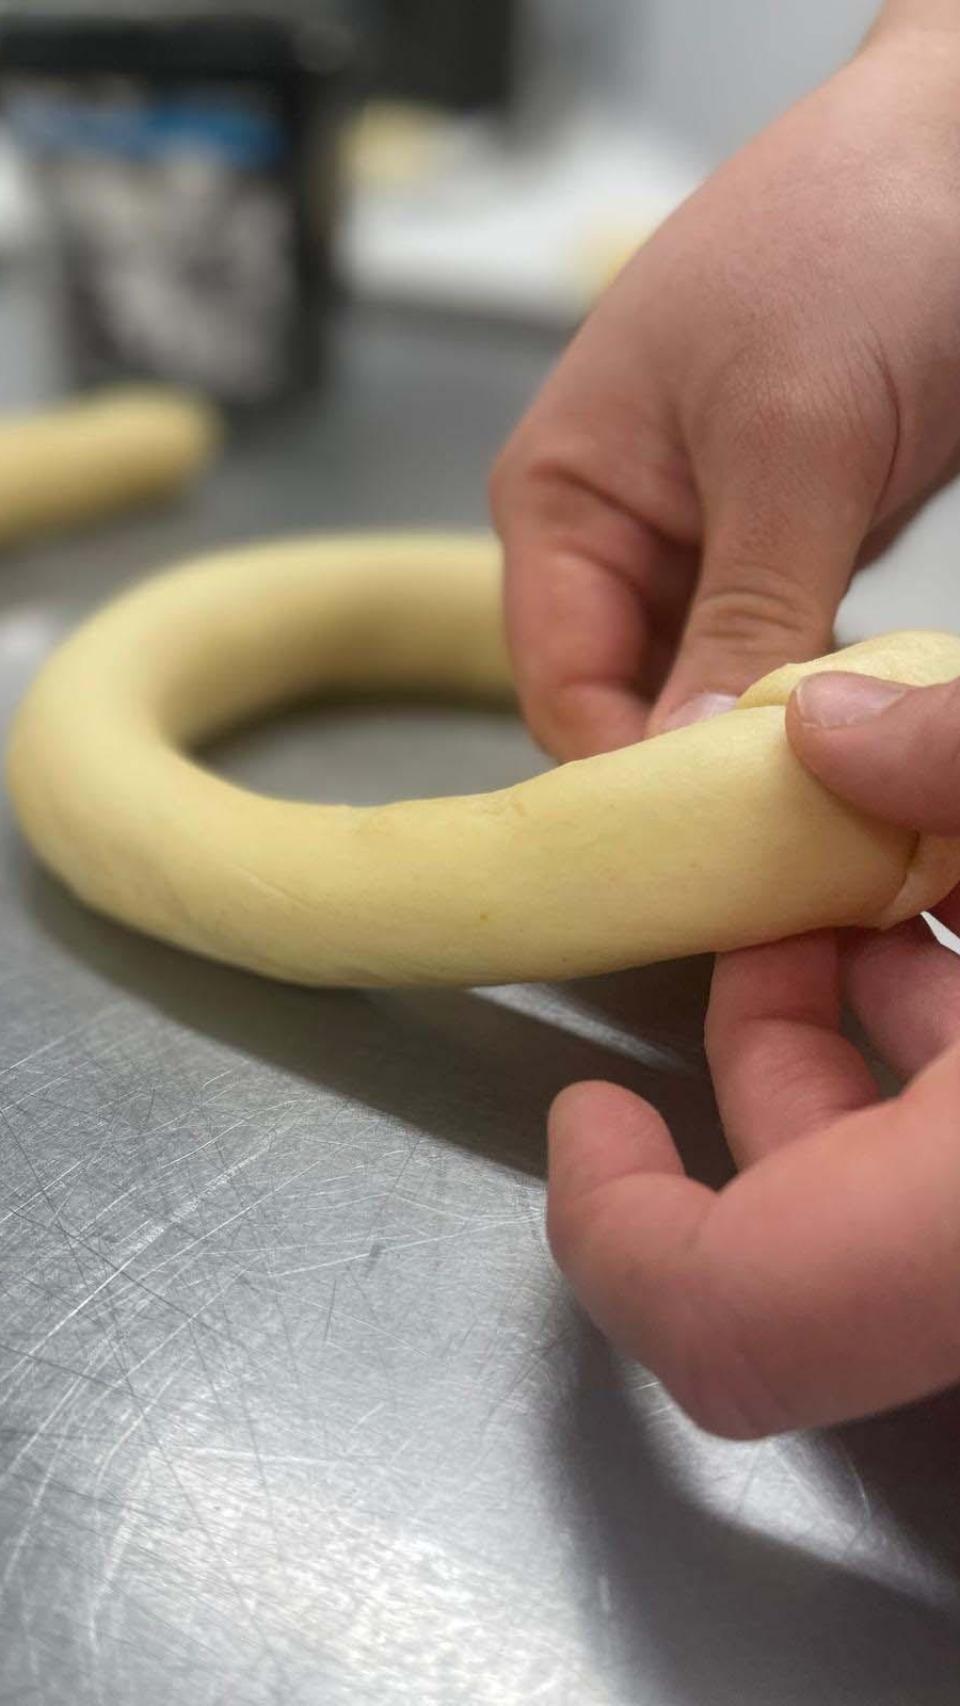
[107, 452]
[707, 838]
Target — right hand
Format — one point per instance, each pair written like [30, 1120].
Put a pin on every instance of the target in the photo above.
[771, 384]
[824, 1281]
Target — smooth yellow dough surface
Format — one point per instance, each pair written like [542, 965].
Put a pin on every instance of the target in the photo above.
[73, 464]
[708, 838]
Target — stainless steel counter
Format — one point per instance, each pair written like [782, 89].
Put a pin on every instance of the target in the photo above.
[293, 1406]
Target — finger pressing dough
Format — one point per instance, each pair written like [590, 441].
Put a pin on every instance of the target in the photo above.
[711, 837]
[73, 464]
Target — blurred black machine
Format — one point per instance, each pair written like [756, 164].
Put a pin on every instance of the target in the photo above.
[189, 167]
[457, 54]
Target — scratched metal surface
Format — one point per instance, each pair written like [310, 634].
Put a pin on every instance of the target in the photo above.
[293, 1406]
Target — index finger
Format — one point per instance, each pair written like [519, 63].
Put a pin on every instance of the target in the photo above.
[780, 1065]
[822, 1284]
[579, 637]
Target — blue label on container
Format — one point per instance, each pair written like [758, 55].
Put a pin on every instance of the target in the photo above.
[235, 134]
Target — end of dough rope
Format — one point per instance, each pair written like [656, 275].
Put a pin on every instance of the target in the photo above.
[707, 838]
[111, 451]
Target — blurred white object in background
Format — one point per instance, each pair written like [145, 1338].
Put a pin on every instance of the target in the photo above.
[625, 106]
[20, 219]
[33, 355]
[533, 230]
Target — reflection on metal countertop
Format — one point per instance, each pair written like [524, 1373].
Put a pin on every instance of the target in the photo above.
[293, 1406]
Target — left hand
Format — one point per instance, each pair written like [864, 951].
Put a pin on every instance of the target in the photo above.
[760, 398]
[823, 1282]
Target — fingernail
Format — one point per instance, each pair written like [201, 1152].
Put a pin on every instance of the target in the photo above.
[698, 709]
[837, 700]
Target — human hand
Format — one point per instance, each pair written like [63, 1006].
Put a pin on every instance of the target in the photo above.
[823, 1282]
[767, 389]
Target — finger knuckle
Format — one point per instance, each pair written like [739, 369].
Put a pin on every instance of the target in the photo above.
[949, 727]
[582, 1225]
[757, 608]
[723, 1381]
[788, 419]
[503, 481]
[529, 470]
[570, 1224]
[723, 1400]
[542, 469]
[798, 418]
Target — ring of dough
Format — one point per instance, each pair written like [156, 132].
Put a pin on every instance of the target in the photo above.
[707, 838]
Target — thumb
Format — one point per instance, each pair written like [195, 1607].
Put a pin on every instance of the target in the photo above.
[892, 751]
[780, 547]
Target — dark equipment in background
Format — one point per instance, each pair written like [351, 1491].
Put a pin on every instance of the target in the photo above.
[190, 167]
[459, 54]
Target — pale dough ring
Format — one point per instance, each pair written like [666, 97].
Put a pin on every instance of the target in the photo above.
[707, 838]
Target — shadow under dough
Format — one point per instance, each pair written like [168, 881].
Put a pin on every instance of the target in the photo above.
[727, 1615]
[473, 1068]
